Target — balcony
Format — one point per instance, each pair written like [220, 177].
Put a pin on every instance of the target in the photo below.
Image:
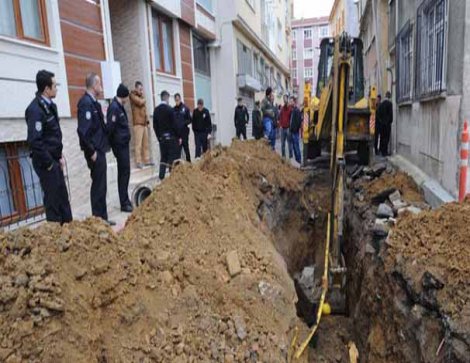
[248, 83]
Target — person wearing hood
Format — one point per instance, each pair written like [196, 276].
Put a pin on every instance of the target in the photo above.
[119, 137]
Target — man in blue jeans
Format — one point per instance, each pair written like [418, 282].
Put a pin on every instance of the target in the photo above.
[295, 125]
[269, 117]
[284, 123]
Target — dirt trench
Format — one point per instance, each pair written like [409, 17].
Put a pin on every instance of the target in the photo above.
[389, 319]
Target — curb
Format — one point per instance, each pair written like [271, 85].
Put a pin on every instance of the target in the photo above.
[434, 194]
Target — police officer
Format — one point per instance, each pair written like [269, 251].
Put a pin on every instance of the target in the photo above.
[167, 132]
[241, 119]
[183, 119]
[202, 128]
[45, 141]
[119, 137]
[94, 143]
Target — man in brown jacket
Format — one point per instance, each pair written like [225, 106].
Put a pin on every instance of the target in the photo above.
[139, 117]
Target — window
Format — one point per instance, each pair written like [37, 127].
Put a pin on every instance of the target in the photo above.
[294, 53]
[245, 59]
[20, 191]
[207, 4]
[24, 19]
[323, 31]
[308, 72]
[294, 34]
[294, 73]
[163, 43]
[431, 48]
[201, 56]
[308, 53]
[279, 33]
[404, 62]
[307, 33]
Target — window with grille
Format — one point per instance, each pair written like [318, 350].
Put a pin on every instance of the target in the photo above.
[404, 63]
[308, 72]
[294, 53]
[20, 191]
[245, 59]
[201, 56]
[431, 48]
[307, 33]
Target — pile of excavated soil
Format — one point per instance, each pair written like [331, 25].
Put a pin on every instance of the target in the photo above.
[431, 251]
[409, 293]
[160, 291]
[397, 180]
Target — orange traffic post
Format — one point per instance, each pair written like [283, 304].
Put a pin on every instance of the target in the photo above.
[464, 162]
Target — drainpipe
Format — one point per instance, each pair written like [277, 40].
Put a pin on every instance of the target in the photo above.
[377, 44]
[107, 36]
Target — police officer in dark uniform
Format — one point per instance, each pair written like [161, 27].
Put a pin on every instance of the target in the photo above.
[45, 141]
[241, 119]
[167, 132]
[94, 143]
[183, 119]
[119, 137]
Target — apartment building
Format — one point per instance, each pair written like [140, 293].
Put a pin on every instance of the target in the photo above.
[69, 38]
[416, 49]
[344, 17]
[251, 53]
[306, 37]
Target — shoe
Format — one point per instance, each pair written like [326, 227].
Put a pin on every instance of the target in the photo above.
[140, 165]
[149, 164]
[110, 223]
[127, 208]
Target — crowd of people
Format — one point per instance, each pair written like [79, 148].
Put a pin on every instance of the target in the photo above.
[99, 133]
[268, 118]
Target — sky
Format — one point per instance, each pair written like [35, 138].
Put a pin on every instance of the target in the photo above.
[312, 8]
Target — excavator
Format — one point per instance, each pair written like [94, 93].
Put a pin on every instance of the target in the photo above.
[341, 120]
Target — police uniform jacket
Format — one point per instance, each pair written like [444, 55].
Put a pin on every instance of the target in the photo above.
[183, 118]
[202, 121]
[118, 124]
[241, 117]
[44, 133]
[91, 126]
[164, 122]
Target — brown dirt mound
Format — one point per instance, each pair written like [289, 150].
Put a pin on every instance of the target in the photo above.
[399, 180]
[431, 250]
[159, 291]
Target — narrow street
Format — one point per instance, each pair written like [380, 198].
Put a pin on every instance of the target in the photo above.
[138, 226]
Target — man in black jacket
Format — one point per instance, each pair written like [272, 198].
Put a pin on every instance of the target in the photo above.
[295, 126]
[119, 137]
[94, 143]
[241, 119]
[257, 118]
[202, 128]
[45, 141]
[167, 132]
[385, 115]
[183, 119]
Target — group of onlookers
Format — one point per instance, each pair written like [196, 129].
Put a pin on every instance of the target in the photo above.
[268, 118]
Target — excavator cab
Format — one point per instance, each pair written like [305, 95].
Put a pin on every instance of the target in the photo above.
[358, 134]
